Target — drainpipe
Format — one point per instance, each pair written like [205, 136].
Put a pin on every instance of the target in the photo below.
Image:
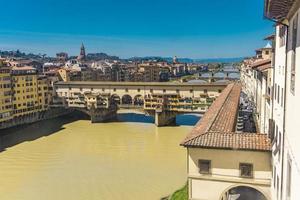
[265, 107]
[284, 107]
[272, 97]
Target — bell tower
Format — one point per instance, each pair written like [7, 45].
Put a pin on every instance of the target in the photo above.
[82, 54]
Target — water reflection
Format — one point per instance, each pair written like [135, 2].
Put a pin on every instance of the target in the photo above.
[181, 119]
[134, 117]
[17, 135]
[13, 136]
[66, 158]
[187, 119]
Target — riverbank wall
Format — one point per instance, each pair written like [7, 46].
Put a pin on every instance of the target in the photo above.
[34, 117]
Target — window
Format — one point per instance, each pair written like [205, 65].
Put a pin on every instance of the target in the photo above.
[151, 90]
[281, 96]
[164, 91]
[294, 31]
[271, 129]
[191, 91]
[274, 175]
[115, 89]
[219, 91]
[279, 142]
[278, 94]
[276, 134]
[138, 89]
[177, 91]
[204, 166]
[282, 32]
[246, 170]
[275, 92]
[205, 90]
[126, 90]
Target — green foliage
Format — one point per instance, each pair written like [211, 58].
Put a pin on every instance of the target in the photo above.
[181, 194]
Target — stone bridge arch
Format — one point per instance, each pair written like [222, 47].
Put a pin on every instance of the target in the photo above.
[116, 99]
[244, 192]
[138, 100]
[126, 99]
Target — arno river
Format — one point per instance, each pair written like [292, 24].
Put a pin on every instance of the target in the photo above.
[67, 158]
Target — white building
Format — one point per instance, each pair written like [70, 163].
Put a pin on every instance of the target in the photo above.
[74, 65]
[286, 150]
[257, 82]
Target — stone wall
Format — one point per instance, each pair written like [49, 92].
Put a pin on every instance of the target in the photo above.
[34, 117]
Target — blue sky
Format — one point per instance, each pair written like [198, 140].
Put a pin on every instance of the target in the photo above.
[126, 28]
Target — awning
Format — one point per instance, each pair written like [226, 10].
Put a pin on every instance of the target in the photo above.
[277, 9]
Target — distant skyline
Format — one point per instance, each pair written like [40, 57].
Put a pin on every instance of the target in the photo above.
[128, 28]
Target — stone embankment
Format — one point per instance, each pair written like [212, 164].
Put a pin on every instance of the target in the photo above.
[35, 117]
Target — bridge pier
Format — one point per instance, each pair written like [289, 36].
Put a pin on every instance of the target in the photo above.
[165, 118]
[103, 114]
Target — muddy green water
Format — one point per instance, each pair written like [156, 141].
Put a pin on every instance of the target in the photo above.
[59, 160]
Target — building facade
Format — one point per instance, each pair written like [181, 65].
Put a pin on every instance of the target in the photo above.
[224, 164]
[286, 151]
[24, 94]
[257, 84]
[6, 108]
[150, 72]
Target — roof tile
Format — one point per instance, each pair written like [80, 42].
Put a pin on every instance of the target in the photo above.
[216, 129]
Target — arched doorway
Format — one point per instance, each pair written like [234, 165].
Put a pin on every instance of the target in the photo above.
[243, 192]
[126, 99]
[138, 100]
[116, 99]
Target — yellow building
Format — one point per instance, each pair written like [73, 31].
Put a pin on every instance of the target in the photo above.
[5, 93]
[25, 97]
[70, 75]
[64, 75]
[44, 93]
[150, 72]
[24, 92]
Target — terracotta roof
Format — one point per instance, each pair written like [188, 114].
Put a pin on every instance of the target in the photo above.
[235, 141]
[109, 83]
[261, 63]
[270, 37]
[264, 67]
[216, 129]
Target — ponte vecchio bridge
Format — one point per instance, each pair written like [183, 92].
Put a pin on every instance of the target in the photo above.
[162, 100]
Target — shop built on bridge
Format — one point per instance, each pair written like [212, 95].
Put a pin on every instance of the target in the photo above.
[163, 101]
